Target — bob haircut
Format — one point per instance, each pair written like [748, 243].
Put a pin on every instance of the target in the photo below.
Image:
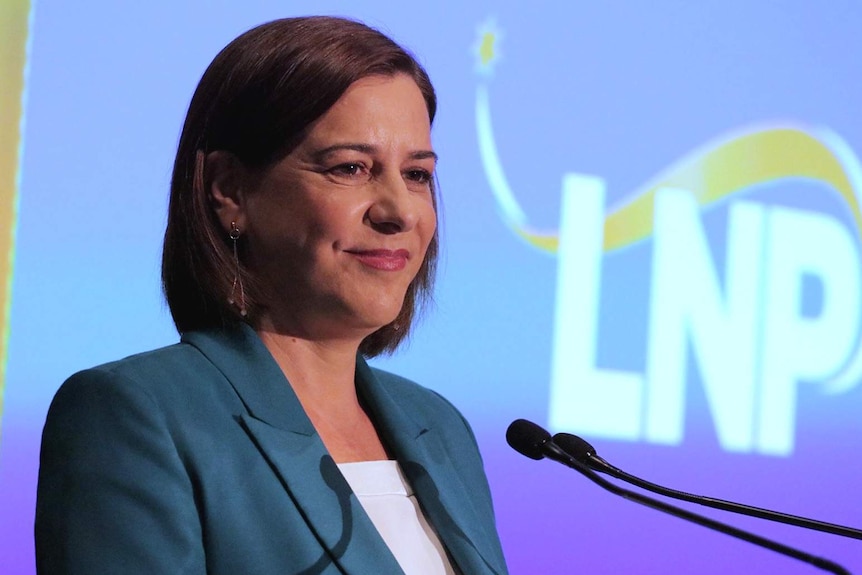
[256, 100]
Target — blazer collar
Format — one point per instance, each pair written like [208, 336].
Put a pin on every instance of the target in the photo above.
[240, 355]
[467, 532]
[279, 428]
[284, 434]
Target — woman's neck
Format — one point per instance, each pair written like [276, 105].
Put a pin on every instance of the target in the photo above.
[314, 368]
[322, 374]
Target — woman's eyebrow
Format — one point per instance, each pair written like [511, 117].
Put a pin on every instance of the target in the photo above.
[329, 150]
[320, 155]
[424, 155]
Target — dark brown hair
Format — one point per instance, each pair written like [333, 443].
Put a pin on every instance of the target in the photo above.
[256, 100]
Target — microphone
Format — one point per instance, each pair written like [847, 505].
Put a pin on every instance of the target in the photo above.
[586, 454]
[533, 441]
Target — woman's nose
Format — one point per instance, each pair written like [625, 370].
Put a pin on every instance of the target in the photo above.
[395, 208]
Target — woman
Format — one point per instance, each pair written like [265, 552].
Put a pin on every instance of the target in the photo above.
[301, 238]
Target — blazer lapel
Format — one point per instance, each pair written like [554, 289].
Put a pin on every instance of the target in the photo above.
[444, 496]
[285, 436]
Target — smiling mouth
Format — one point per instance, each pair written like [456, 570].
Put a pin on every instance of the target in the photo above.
[384, 260]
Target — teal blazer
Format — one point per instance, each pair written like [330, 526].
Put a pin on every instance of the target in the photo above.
[199, 459]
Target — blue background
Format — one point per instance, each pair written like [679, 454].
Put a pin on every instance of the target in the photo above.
[616, 89]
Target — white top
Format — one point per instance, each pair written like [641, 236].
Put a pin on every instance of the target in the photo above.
[388, 500]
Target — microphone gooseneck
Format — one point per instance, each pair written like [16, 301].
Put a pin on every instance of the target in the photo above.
[533, 441]
[581, 450]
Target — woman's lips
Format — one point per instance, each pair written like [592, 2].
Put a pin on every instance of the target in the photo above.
[385, 260]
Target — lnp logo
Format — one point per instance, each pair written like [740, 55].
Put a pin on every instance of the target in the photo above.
[14, 16]
[753, 338]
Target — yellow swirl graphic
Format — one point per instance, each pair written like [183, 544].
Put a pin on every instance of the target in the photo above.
[721, 169]
[14, 22]
[734, 164]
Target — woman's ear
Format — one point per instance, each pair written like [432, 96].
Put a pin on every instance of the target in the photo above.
[224, 177]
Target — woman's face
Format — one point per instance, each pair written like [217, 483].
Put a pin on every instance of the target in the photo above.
[338, 229]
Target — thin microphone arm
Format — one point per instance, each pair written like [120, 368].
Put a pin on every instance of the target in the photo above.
[586, 454]
[544, 446]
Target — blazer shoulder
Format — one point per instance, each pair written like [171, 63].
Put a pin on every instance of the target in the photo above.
[111, 462]
[178, 356]
[171, 377]
[408, 390]
[419, 399]
[148, 368]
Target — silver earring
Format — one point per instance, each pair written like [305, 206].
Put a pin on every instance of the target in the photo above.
[237, 279]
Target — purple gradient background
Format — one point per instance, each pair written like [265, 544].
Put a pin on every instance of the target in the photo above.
[617, 89]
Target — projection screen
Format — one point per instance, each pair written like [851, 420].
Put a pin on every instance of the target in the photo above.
[651, 230]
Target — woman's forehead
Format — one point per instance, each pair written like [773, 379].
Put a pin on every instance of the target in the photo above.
[375, 112]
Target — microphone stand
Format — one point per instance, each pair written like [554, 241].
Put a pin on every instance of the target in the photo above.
[584, 453]
[534, 442]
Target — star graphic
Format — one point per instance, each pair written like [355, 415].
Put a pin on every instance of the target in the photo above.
[486, 47]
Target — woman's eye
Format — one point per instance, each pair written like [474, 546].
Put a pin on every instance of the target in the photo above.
[348, 169]
[419, 176]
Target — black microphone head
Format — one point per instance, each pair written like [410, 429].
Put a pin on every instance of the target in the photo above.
[527, 438]
[578, 448]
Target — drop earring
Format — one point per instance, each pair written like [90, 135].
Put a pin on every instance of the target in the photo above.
[237, 278]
